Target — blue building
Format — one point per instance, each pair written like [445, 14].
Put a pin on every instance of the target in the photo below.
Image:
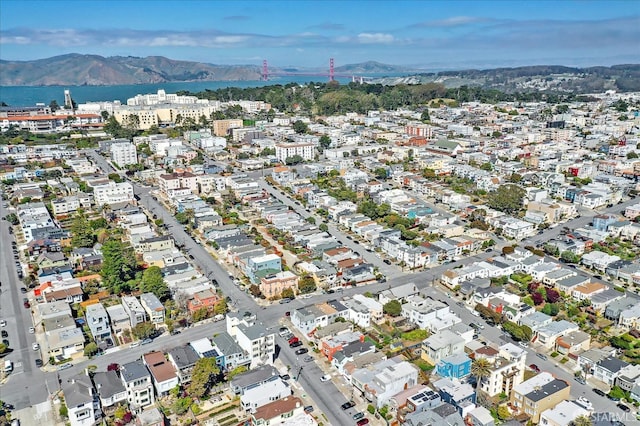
[602, 221]
[460, 395]
[262, 266]
[456, 366]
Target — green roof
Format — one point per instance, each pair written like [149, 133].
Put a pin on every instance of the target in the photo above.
[448, 145]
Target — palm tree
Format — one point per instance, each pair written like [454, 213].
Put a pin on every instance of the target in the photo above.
[480, 369]
[582, 421]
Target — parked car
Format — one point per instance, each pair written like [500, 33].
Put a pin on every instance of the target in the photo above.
[26, 304]
[581, 380]
[347, 405]
[32, 330]
[146, 341]
[3, 323]
[363, 422]
[308, 358]
[542, 356]
[295, 344]
[285, 377]
[23, 290]
[308, 409]
[65, 366]
[358, 416]
[293, 340]
[35, 346]
[302, 351]
[38, 362]
[4, 333]
[283, 331]
[624, 408]
[599, 392]
[325, 378]
[285, 300]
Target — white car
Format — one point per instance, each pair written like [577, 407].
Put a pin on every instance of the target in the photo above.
[325, 378]
[32, 330]
[3, 323]
[35, 346]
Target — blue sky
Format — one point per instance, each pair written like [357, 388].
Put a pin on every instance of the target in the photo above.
[431, 34]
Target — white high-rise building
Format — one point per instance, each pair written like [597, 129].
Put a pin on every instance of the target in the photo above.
[123, 154]
[287, 150]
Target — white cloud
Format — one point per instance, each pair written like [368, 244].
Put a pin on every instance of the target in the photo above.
[375, 38]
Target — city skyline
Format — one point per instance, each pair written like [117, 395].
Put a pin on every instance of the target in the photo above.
[411, 33]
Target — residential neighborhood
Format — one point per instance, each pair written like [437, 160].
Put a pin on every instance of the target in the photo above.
[458, 263]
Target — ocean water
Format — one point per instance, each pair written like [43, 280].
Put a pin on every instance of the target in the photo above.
[30, 95]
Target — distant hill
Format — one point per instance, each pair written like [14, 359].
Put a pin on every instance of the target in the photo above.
[95, 70]
[546, 78]
[371, 67]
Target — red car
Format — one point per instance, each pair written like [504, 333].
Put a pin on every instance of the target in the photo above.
[27, 305]
[362, 422]
[293, 340]
[534, 368]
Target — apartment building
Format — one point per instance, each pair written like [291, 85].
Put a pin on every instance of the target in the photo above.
[123, 154]
[287, 150]
[98, 322]
[134, 310]
[137, 381]
[112, 193]
[153, 307]
[508, 366]
[538, 394]
[441, 345]
[273, 285]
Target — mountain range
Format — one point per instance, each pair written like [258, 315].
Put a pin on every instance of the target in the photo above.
[94, 70]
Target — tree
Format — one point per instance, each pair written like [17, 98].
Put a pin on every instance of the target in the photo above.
[323, 227]
[54, 105]
[220, 308]
[325, 142]
[287, 293]
[551, 309]
[632, 155]
[307, 284]
[311, 220]
[90, 349]
[507, 198]
[424, 117]
[202, 378]
[503, 413]
[552, 295]
[118, 265]
[12, 218]
[538, 299]
[481, 368]
[570, 257]
[392, 308]
[143, 330]
[255, 290]
[507, 250]
[487, 167]
[82, 233]
[296, 159]
[582, 420]
[181, 405]
[153, 282]
[380, 173]
[300, 127]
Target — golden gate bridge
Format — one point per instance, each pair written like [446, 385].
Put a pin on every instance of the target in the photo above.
[331, 74]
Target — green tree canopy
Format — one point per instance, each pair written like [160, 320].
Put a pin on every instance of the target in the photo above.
[81, 230]
[153, 282]
[307, 284]
[203, 376]
[507, 198]
[118, 265]
[300, 127]
[392, 308]
[143, 330]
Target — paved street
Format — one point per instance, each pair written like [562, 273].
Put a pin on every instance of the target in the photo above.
[23, 387]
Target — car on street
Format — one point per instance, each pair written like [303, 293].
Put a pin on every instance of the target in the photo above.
[35, 346]
[26, 304]
[624, 408]
[325, 378]
[65, 366]
[523, 344]
[295, 344]
[347, 405]
[23, 290]
[3, 323]
[4, 333]
[293, 340]
[541, 356]
[387, 261]
[146, 341]
[358, 416]
[362, 422]
[174, 332]
[38, 362]
[308, 409]
[581, 380]
[302, 351]
[599, 392]
[285, 377]
[308, 358]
